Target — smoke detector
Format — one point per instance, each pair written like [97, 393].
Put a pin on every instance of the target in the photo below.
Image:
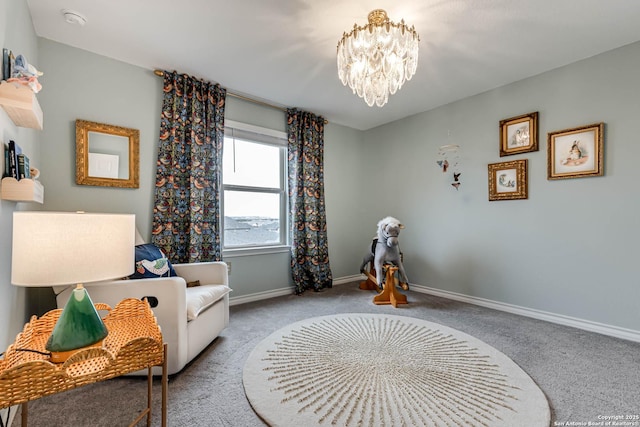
[74, 18]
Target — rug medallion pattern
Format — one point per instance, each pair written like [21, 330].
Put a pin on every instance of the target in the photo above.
[375, 370]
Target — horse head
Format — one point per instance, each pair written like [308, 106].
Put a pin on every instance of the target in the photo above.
[389, 230]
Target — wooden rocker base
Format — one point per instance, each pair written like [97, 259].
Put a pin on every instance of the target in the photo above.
[370, 284]
[389, 294]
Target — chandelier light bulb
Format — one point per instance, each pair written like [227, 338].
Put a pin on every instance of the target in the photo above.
[376, 59]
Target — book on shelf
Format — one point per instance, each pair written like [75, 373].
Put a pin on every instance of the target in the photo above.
[6, 172]
[23, 166]
[7, 168]
[14, 151]
[6, 64]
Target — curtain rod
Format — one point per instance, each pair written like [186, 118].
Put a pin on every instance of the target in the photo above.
[160, 73]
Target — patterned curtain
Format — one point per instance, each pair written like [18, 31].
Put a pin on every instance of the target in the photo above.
[309, 248]
[186, 213]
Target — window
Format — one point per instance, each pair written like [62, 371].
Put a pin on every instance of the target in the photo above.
[253, 176]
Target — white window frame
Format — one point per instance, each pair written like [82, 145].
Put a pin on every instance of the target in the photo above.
[260, 135]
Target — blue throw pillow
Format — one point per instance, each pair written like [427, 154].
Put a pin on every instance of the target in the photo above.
[151, 262]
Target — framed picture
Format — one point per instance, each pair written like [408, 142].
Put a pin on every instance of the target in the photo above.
[519, 134]
[576, 153]
[508, 180]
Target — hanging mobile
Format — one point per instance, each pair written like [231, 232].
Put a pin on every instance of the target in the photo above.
[449, 157]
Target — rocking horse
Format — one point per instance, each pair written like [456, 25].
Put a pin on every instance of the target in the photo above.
[385, 257]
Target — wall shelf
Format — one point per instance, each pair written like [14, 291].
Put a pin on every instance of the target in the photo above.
[21, 105]
[24, 190]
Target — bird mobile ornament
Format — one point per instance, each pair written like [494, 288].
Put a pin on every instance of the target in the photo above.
[456, 181]
[444, 165]
[449, 158]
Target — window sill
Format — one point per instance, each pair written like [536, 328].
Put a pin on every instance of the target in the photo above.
[257, 250]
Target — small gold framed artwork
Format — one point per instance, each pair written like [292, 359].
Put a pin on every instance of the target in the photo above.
[576, 152]
[519, 134]
[508, 180]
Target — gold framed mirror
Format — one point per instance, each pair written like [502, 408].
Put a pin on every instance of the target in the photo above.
[107, 155]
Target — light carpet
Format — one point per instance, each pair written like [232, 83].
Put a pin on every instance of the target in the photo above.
[375, 370]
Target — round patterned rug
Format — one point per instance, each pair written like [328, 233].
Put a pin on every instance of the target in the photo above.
[385, 370]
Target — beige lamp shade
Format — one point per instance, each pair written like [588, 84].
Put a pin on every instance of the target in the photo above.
[62, 248]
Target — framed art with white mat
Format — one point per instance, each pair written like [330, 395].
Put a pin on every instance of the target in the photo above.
[576, 152]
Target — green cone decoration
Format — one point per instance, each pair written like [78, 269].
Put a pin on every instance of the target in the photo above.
[78, 326]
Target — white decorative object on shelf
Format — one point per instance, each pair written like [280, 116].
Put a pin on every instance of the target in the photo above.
[21, 105]
[25, 190]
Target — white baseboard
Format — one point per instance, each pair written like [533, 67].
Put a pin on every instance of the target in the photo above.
[587, 325]
[7, 415]
[258, 296]
[348, 279]
[284, 291]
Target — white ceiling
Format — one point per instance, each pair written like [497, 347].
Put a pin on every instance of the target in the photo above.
[283, 51]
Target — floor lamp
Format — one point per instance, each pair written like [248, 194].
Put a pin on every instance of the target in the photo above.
[62, 248]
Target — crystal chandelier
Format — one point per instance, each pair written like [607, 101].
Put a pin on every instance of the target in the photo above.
[376, 59]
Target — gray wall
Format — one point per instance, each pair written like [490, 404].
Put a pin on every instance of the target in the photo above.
[16, 34]
[571, 248]
[568, 249]
[82, 85]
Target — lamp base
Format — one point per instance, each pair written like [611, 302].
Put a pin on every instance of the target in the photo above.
[62, 356]
[79, 326]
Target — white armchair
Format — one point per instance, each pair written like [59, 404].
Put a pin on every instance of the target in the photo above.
[189, 318]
